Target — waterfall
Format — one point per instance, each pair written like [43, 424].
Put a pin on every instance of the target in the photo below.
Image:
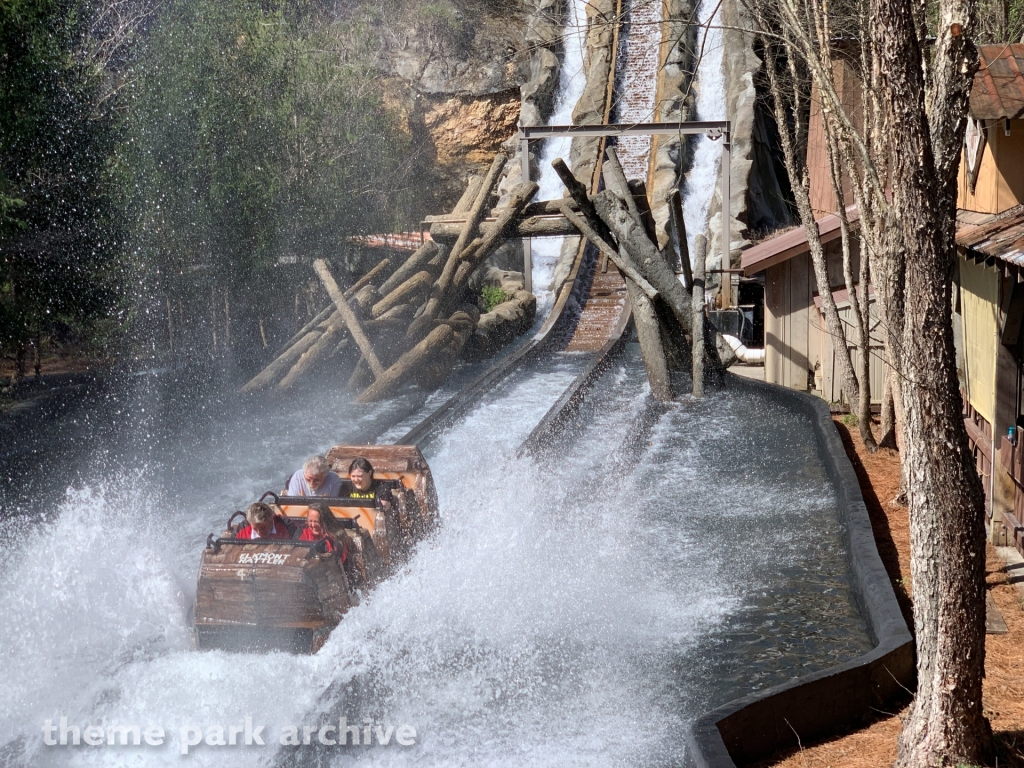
[702, 179]
[571, 80]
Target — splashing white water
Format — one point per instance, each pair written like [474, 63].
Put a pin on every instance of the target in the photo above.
[703, 177]
[571, 82]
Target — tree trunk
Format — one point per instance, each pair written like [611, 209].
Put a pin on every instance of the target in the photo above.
[407, 364]
[947, 518]
[269, 375]
[631, 236]
[318, 352]
[412, 265]
[700, 247]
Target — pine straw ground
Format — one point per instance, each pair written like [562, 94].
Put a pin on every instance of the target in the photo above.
[875, 745]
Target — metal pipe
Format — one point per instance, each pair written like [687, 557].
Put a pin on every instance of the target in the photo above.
[743, 352]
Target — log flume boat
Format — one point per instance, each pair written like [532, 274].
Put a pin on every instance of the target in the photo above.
[286, 594]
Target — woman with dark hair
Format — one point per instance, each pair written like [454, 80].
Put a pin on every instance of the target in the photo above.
[363, 486]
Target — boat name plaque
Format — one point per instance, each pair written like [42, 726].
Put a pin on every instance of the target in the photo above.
[268, 558]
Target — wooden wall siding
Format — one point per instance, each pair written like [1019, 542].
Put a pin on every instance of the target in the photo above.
[790, 339]
[823, 200]
[831, 386]
[1001, 175]
[979, 314]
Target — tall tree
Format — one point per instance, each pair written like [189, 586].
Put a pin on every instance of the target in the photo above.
[59, 238]
[916, 63]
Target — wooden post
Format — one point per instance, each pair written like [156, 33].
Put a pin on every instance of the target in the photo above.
[677, 236]
[349, 317]
[700, 247]
[638, 192]
[652, 348]
[263, 333]
[413, 264]
[624, 263]
[648, 259]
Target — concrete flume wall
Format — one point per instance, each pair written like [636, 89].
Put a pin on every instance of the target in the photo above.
[838, 699]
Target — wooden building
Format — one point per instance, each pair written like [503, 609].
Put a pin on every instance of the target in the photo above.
[988, 295]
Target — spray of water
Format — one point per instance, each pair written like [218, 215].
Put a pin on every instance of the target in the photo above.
[571, 81]
[702, 179]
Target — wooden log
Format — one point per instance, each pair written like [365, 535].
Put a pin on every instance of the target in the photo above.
[358, 335]
[468, 231]
[578, 192]
[538, 208]
[399, 315]
[361, 377]
[615, 180]
[638, 191]
[648, 259]
[415, 289]
[407, 364]
[281, 363]
[366, 298]
[324, 317]
[652, 348]
[436, 368]
[677, 237]
[624, 263]
[533, 226]
[700, 247]
[366, 279]
[413, 264]
[489, 243]
[475, 214]
[470, 193]
[311, 357]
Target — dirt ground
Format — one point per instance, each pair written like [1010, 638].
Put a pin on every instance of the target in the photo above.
[875, 745]
[52, 364]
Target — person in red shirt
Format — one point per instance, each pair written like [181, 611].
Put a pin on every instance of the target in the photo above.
[315, 531]
[263, 524]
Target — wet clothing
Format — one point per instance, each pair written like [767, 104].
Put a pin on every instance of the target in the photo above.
[297, 485]
[278, 530]
[307, 535]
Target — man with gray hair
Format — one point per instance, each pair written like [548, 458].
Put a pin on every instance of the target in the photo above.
[314, 479]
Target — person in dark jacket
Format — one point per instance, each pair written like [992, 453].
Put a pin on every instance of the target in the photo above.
[263, 524]
[361, 485]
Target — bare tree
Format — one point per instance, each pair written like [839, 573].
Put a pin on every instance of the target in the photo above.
[916, 63]
[789, 86]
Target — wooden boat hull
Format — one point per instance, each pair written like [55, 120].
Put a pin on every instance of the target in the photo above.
[259, 595]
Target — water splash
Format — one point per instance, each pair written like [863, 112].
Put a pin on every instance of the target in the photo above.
[703, 178]
[571, 82]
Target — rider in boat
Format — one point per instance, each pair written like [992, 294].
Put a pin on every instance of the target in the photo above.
[314, 479]
[263, 524]
[361, 485]
[315, 531]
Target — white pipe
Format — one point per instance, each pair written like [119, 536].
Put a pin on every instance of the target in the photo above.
[745, 355]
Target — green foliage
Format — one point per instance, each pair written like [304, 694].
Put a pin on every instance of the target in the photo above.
[58, 237]
[493, 295]
[257, 133]
[850, 419]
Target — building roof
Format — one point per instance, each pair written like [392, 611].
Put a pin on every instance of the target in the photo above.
[998, 90]
[792, 243]
[992, 236]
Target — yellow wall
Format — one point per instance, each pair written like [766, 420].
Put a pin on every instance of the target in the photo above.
[979, 306]
[1000, 182]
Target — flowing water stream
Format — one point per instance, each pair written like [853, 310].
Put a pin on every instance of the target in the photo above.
[577, 608]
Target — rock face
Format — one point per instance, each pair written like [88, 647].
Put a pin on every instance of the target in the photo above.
[506, 321]
[455, 69]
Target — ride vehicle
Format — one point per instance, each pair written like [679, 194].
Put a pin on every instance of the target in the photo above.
[286, 594]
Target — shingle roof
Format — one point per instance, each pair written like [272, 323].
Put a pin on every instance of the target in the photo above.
[998, 90]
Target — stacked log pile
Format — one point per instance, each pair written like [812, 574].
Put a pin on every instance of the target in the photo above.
[415, 324]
